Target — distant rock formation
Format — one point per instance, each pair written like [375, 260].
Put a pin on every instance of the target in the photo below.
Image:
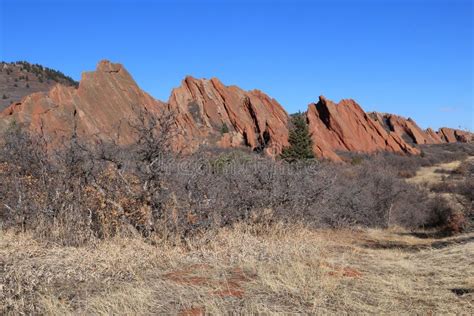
[230, 116]
[98, 109]
[413, 134]
[450, 135]
[206, 112]
[346, 127]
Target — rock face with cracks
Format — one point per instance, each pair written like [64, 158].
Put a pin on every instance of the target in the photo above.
[413, 134]
[230, 116]
[346, 127]
[108, 99]
[99, 109]
[108, 102]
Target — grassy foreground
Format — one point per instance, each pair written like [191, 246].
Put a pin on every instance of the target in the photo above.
[280, 270]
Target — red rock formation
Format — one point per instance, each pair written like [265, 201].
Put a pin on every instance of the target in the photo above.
[208, 112]
[407, 129]
[450, 135]
[230, 115]
[108, 99]
[346, 127]
[98, 109]
[412, 133]
[433, 136]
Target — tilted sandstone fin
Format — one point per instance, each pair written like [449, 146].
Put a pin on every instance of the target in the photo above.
[231, 117]
[408, 130]
[450, 135]
[98, 109]
[108, 99]
[346, 127]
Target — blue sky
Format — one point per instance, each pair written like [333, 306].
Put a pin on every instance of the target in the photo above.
[413, 58]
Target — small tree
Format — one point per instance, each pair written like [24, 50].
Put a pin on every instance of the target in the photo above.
[224, 128]
[4, 97]
[300, 140]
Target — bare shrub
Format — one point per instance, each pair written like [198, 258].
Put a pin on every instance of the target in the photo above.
[441, 153]
[466, 168]
[94, 191]
[465, 191]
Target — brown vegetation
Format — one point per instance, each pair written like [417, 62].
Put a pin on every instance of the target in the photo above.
[286, 270]
[104, 229]
[93, 192]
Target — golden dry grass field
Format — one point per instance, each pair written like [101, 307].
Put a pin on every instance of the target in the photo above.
[283, 270]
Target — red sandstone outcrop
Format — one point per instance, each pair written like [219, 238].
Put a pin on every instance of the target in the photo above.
[108, 99]
[413, 134]
[99, 108]
[434, 136]
[450, 135]
[407, 129]
[232, 116]
[210, 113]
[346, 127]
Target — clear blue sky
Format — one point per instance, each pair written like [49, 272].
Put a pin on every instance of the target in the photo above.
[413, 58]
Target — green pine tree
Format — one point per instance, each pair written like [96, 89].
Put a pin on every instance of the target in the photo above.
[224, 128]
[301, 144]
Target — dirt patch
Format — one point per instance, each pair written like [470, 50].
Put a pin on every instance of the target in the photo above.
[342, 271]
[346, 272]
[193, 311]
[230, 285]
[188, 275]
[434, 174]
[234, 292]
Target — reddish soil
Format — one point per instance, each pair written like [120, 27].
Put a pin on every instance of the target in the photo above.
[231, 285]
[342, 271]
[193, 311]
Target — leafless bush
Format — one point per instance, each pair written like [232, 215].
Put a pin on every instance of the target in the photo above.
[371, 194]
[441, 153]
[465, 191]
[86, 191]
[405, 166]
[466, 168]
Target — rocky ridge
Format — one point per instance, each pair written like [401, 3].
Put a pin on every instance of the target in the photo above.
[206, 112]
[413, 134]
[346, 127]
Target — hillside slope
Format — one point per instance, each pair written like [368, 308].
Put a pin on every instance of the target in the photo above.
[20, 79]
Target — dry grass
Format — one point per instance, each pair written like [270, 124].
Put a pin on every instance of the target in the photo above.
[436, 173]
[283, 270]
[432, 174]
